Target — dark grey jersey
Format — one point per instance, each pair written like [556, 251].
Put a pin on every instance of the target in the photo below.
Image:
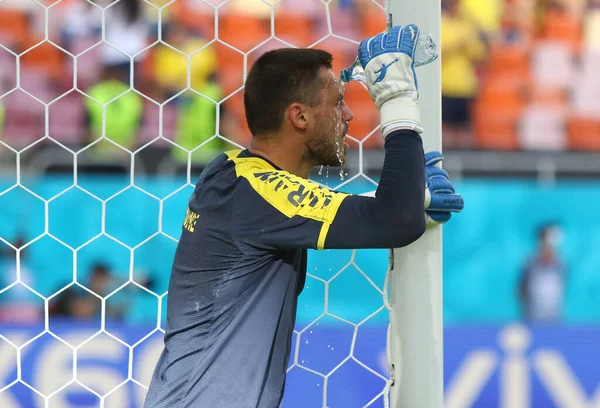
[241, 264]
[239, 267]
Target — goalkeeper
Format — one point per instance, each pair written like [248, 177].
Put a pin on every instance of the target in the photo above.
[241, 260]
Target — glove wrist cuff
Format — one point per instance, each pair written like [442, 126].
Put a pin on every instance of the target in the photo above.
[402, 112]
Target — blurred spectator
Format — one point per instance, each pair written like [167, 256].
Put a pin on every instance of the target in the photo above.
[462, 48]
[543, 281]
[79, 303]
[82, 21]
[76, 303]
[171, 67]
[123, 115]
[196, 123]
[516, 25]
[127, 30]
[18, 304]
[196, 115]
[486, 13]
[100, 280]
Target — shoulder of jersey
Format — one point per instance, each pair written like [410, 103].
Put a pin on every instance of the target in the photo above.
[288, 193]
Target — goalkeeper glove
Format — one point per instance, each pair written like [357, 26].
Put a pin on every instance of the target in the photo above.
[387, 59]
[440, 198]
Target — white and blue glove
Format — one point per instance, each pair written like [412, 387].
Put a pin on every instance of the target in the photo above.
[441, 199]
[387, 59]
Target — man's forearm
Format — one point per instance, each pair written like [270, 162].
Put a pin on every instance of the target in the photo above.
[395, 217]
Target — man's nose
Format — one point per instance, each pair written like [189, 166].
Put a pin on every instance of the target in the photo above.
[347, 114]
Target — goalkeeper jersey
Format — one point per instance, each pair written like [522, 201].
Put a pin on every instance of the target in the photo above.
[241, 263]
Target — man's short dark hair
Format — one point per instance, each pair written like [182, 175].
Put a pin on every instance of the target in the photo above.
[279, 78]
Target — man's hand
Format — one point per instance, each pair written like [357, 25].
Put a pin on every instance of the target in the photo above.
[387, 60]
[440, 198]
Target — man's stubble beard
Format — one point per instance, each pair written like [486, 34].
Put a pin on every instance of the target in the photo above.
[321, 151]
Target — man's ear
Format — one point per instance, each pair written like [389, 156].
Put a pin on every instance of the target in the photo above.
[298, 115]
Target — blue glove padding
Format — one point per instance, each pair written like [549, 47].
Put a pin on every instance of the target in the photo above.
[398, 39]
[441, 199]
[390, 76]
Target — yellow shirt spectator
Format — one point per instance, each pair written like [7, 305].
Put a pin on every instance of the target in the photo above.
[485, 13]
[462, 47]
[171, 66]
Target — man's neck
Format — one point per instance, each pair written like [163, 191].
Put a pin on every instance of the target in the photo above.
[288, 157]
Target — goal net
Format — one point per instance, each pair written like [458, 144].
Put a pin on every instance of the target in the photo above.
[108, 112]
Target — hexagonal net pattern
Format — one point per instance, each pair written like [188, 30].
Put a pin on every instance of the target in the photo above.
[108, 112]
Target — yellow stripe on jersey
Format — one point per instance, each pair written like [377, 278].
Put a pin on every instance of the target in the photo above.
[289, 194]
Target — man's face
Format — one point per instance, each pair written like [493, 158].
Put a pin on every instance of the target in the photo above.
[326, 146]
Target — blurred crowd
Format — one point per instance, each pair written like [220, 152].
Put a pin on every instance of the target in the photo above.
[517, 74]
[97, 288]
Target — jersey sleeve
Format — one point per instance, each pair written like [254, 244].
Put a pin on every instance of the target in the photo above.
[276, 210]
[395, 217]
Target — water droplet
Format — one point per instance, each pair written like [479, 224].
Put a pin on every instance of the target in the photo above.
[310, 332]
[320, 173]
[306, 342]
[332, 348]
[302, 361]
[318, 385]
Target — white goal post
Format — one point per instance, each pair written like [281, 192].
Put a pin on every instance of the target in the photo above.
[416, 272]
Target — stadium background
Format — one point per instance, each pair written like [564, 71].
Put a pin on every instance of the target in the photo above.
[527, 158]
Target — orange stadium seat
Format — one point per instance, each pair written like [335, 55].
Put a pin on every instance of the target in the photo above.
[496, 113]
[13, 26]
[295, 29]
[509, 60]
[503, 93]
[47, 58]
[584, 134]
[366, 116]
[231, 68]
[242, 31]
[495, 129]
[233, 120]
[562, 26]
[372, 21]
[197, 20]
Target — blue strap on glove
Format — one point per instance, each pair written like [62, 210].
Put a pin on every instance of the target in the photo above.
[441, 199]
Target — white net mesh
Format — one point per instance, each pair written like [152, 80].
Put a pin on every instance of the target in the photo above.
[115, 201]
